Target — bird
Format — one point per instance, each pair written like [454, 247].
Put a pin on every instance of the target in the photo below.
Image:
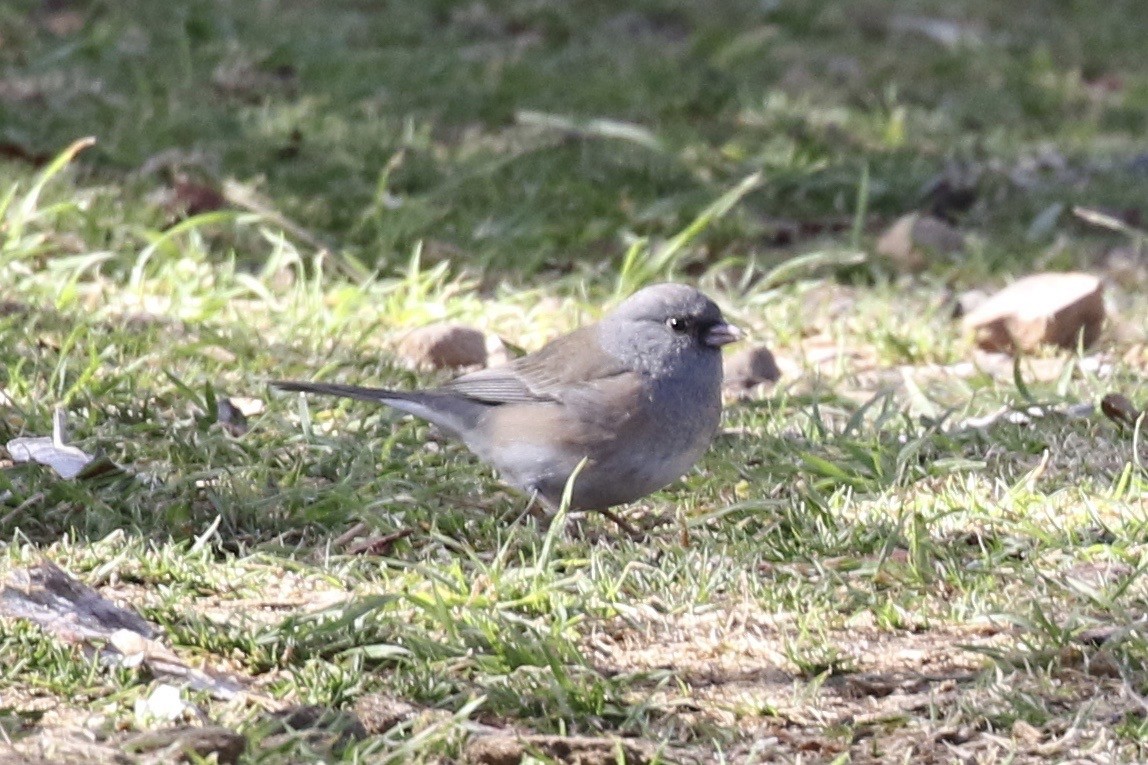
[630, 402]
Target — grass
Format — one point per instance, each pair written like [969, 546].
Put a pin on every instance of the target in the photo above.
[857, 571]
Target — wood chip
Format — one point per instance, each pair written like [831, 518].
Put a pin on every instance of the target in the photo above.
[1058, 309]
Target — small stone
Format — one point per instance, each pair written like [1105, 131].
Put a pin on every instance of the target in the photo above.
[914, 239]
[444, 346]
[749, 368]
[1052, 308]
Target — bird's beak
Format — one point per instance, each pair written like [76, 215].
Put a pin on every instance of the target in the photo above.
[721, 334]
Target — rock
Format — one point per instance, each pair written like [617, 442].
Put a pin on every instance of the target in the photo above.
[64, 607]
[913, 239]
[444, 346]
[748, 368]
[1051, 308]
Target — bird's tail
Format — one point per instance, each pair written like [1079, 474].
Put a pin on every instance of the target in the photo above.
[455, 414]
[377, 395]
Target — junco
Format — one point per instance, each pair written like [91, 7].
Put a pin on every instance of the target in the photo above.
[638, 395]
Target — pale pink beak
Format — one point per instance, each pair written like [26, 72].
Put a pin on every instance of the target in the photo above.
[721, 334]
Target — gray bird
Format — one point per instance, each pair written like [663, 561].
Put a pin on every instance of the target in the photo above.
[638, 395]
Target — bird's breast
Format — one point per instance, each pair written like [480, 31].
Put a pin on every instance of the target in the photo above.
[636, 434]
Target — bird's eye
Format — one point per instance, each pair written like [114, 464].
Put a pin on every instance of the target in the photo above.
[678, 324]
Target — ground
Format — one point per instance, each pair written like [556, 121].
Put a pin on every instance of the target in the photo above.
[904, 550]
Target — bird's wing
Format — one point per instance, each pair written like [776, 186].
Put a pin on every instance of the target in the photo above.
[571, 362]
[498, 385]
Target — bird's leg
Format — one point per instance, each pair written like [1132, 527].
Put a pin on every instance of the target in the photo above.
[623, 524]
[535, 507]
[546, 514]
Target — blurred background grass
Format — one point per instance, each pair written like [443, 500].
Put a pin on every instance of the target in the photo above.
[521, 137]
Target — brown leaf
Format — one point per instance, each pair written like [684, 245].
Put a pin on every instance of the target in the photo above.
[378, 545]
[230, 417]
[1119, 409]
[11, 150]
[191, 198]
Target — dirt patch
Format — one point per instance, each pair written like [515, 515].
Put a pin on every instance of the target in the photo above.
[919, 696]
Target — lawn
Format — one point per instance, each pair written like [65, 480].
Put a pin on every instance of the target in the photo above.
[903, 551]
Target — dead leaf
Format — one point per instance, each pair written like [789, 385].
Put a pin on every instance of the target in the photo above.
[1119, 409]
[55, 452]
[70, 611]
[67, 609]
[190, 197]
[230, 417]
[10, 150]
[378, 545]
